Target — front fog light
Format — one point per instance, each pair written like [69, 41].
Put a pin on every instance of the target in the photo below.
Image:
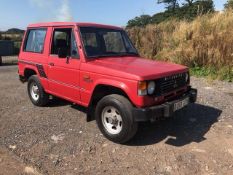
[151, 87]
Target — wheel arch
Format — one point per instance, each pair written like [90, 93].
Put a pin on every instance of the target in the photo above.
[28, 72]
[102, 90]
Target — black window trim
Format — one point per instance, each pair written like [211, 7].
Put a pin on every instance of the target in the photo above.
[26, 39]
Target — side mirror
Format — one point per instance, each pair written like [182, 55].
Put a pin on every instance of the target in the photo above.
[62, 52]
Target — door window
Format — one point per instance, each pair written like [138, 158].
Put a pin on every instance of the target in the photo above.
[64, 39]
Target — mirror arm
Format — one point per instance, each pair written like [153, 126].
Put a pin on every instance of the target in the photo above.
[67, 59]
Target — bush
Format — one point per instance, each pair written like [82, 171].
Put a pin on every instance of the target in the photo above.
[205, 42]
[229, 5]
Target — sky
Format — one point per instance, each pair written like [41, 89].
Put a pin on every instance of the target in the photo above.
[20, 13]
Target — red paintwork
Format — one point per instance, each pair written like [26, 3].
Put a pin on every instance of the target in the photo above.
[136, 68]
[67, 80]
[62, 24]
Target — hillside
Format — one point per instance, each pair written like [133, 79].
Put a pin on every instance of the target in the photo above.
[12, 31]
[204, 44]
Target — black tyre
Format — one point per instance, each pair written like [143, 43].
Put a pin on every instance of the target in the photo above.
[0, 60]
[114, 118]
[36, 92]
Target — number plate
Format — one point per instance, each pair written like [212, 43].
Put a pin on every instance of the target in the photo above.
[179, 105]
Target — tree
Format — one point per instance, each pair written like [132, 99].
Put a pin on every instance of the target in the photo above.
[199, 7]
[190, 2]
[188, 11]
[140, 21]
[170, 4]
[229, 4]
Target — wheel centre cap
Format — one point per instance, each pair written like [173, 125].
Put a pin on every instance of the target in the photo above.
[113, 121]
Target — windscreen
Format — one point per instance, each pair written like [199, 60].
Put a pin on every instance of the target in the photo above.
[103, 42]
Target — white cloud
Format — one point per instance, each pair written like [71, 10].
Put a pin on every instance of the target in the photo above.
[64, 13]
[61, 12]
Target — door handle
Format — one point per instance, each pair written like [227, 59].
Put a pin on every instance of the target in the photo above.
[51, 64]
[86, 77]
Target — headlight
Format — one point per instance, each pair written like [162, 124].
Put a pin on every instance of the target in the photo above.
[151, 87]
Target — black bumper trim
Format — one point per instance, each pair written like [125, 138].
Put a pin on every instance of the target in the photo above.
[164, 110]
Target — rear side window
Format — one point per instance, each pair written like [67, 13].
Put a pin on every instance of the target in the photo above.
[35, 40]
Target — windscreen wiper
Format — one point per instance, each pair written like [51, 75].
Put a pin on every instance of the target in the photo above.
[128, 54]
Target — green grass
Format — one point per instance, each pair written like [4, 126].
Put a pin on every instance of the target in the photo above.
[224, 73]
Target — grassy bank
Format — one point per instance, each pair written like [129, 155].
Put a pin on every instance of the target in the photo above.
[205, 44]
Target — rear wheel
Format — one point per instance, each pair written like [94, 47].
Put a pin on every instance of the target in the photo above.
[0, 60]
[114, 118]
[36, 92]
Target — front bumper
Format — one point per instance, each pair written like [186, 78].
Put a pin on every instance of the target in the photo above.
[165, 110]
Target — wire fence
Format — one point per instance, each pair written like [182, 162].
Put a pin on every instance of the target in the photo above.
[9, 60]
[9, 51]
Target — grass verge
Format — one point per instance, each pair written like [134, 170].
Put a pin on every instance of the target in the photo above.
[225, 73]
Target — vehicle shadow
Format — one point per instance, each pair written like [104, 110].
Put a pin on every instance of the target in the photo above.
[188, 125]
[57, 102]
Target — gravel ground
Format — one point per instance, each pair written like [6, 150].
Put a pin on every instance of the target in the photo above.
[57, 139]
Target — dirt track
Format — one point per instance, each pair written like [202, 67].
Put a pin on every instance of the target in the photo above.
[58, 140]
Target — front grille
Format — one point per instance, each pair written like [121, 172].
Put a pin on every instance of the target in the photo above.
[170, 83]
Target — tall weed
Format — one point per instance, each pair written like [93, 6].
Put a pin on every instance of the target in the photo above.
[205, 43]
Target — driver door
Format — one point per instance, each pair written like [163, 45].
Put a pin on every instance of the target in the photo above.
[63, 73]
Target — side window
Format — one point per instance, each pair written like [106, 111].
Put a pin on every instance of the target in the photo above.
[64, 39]
[61, 40]
[35, 40]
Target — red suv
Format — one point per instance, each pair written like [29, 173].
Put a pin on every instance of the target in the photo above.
[98, 67]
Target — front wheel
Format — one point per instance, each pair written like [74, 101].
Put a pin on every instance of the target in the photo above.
[114, 118]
